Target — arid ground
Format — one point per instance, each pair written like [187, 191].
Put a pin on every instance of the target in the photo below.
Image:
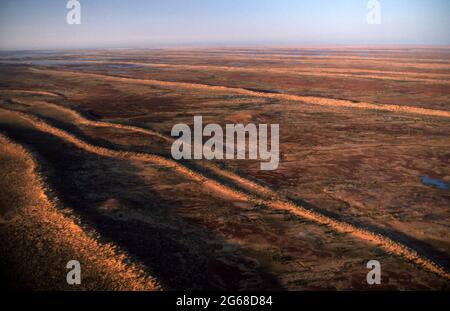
[86, 171]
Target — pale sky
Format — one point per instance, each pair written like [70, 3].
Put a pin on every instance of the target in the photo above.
[31, 24]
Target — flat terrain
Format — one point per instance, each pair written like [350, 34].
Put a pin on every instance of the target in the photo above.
[364, 173]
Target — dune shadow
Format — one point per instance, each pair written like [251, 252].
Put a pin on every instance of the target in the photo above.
[157, 237]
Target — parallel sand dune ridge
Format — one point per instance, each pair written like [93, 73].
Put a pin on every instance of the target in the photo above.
[330, 102]
[177, 97]
[435, 78]
[245, 183]
[383, 242]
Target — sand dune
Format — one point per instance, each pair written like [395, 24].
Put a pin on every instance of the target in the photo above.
[247, 184]
[46, 225]
[434, 78]
[277, 203]
[35, 92]
[330, 102]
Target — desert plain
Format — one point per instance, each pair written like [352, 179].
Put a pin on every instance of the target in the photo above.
[364, 172]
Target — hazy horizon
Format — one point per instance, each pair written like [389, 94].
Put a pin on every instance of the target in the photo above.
[32, 25]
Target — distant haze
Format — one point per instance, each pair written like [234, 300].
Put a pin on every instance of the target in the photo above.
[31, 24]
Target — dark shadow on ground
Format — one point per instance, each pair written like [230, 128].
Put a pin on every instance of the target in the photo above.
[82, 181]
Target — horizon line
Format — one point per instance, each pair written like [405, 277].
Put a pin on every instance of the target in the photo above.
[224, 45]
